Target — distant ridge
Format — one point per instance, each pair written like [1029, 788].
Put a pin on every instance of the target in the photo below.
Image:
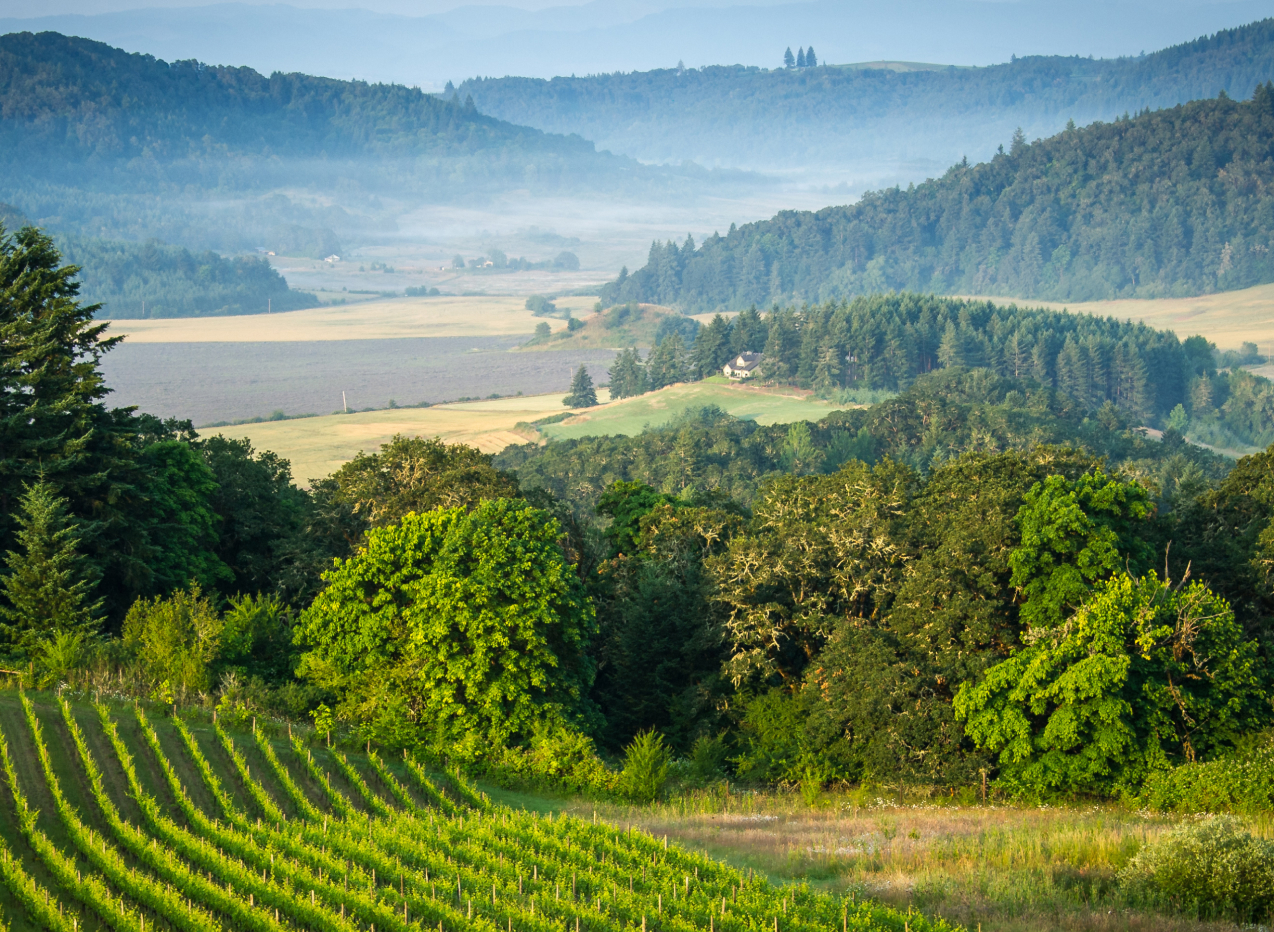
[1171, 202]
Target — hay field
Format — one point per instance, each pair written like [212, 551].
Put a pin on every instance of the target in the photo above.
[633, 415]
[385, 319]
[1228, 319]
[317, 446]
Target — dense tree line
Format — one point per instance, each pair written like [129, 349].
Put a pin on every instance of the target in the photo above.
[1170, 202]
[962, 579]
[831, 116]
[888, 341]
[172, 282]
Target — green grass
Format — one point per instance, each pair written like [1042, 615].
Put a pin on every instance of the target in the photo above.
[631, 416]
[148, 823]
[1000, 867]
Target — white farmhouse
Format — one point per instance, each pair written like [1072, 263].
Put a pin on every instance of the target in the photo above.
[742, 366]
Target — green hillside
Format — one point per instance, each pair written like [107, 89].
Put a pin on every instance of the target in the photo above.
[1170, 202]
[119, 818]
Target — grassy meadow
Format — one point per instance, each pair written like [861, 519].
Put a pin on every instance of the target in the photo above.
[633, 415]
[999, 867]
[318, 445]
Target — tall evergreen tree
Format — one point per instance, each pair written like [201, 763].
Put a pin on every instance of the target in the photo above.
[712, 348]
[49, 587]
[811, 60]
[788, 60]
[582, 394]
[667, 364]
[628, 375]
[800, 59]
[951, 349]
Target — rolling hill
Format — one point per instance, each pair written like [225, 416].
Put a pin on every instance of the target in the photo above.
[99, 142]
[826, 118]
[1167, 203]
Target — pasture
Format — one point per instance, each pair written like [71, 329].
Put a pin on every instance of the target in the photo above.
[318, 445]
[633, 415]
[383, 319]
[118, 818]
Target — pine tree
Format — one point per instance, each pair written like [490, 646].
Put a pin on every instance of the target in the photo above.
[951, 349]
[1019, 141]
[790, 62]
[49, 585]
[810, 60]
[800, 59]
[627, 376]
[667, 363]
[582, 394]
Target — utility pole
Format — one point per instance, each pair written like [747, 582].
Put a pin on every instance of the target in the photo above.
[344, 404]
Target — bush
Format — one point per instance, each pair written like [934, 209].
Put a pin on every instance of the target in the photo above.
[646, 763]
[1211, 869]
[175, 641]
[1242, 782]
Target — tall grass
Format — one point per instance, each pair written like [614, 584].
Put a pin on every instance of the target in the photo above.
[997, 866]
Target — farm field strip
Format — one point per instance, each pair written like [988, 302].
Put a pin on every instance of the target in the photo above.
[313, 855]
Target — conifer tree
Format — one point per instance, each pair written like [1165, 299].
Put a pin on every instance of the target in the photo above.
[951, 349]
[627, 376]
[788, 60]
[582, 394]
[800, 59]
[49, 586]
[810, 60]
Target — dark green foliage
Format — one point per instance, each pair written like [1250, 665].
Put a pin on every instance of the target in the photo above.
[660, 641]
[1152, 206]
[261, 514]
[174, 283]
[628, 375]
[182, 524]
[1241, 782]
[942, 415]
[582, 393]
[48, 589]
[886, 341]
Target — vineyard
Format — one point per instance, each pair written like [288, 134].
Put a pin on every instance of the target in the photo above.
[117, 818]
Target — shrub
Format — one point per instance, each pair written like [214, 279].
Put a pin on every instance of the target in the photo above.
[646, 763]
[1242, 782]
[175, 641]
[1211, 869]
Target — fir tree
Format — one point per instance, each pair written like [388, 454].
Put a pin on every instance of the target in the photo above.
[49, 585]
[788, 60]
[627, 376]
[667, 363]
[582, 395]
[810, 60]
[800, 59]
[951, 349]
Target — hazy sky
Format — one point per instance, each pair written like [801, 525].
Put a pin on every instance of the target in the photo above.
[428, 42]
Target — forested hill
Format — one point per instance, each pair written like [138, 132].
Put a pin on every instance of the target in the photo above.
[73, 110]
[75, 99]
[862, 116]
[1171, 202]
